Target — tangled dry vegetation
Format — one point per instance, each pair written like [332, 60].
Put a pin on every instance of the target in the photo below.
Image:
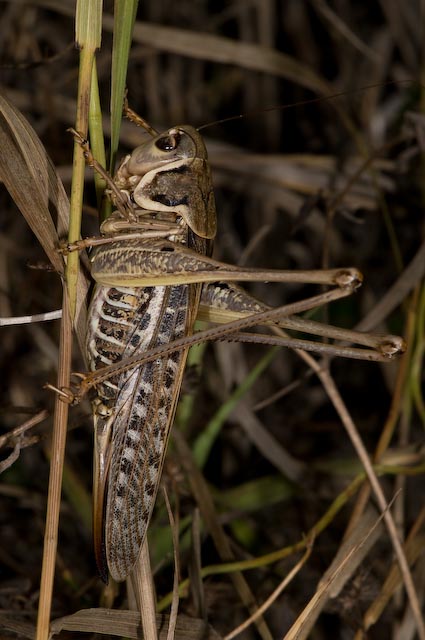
[322, 182]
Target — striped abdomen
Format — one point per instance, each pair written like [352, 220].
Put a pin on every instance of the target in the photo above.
[133, 411]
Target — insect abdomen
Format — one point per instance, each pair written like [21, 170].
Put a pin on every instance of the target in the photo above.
[134, 410]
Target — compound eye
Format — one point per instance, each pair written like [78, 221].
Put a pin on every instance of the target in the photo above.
[169, 142]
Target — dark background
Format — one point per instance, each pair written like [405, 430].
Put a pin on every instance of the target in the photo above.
[277, 174]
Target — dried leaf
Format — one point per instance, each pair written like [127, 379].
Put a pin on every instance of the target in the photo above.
[33, 183]
[127, 623]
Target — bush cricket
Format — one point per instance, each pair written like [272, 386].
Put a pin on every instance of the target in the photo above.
[154, 276]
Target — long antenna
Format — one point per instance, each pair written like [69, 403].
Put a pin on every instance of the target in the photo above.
[284, 107]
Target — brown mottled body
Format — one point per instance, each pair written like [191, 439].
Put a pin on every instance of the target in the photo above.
[150, 275]
[134, 410]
